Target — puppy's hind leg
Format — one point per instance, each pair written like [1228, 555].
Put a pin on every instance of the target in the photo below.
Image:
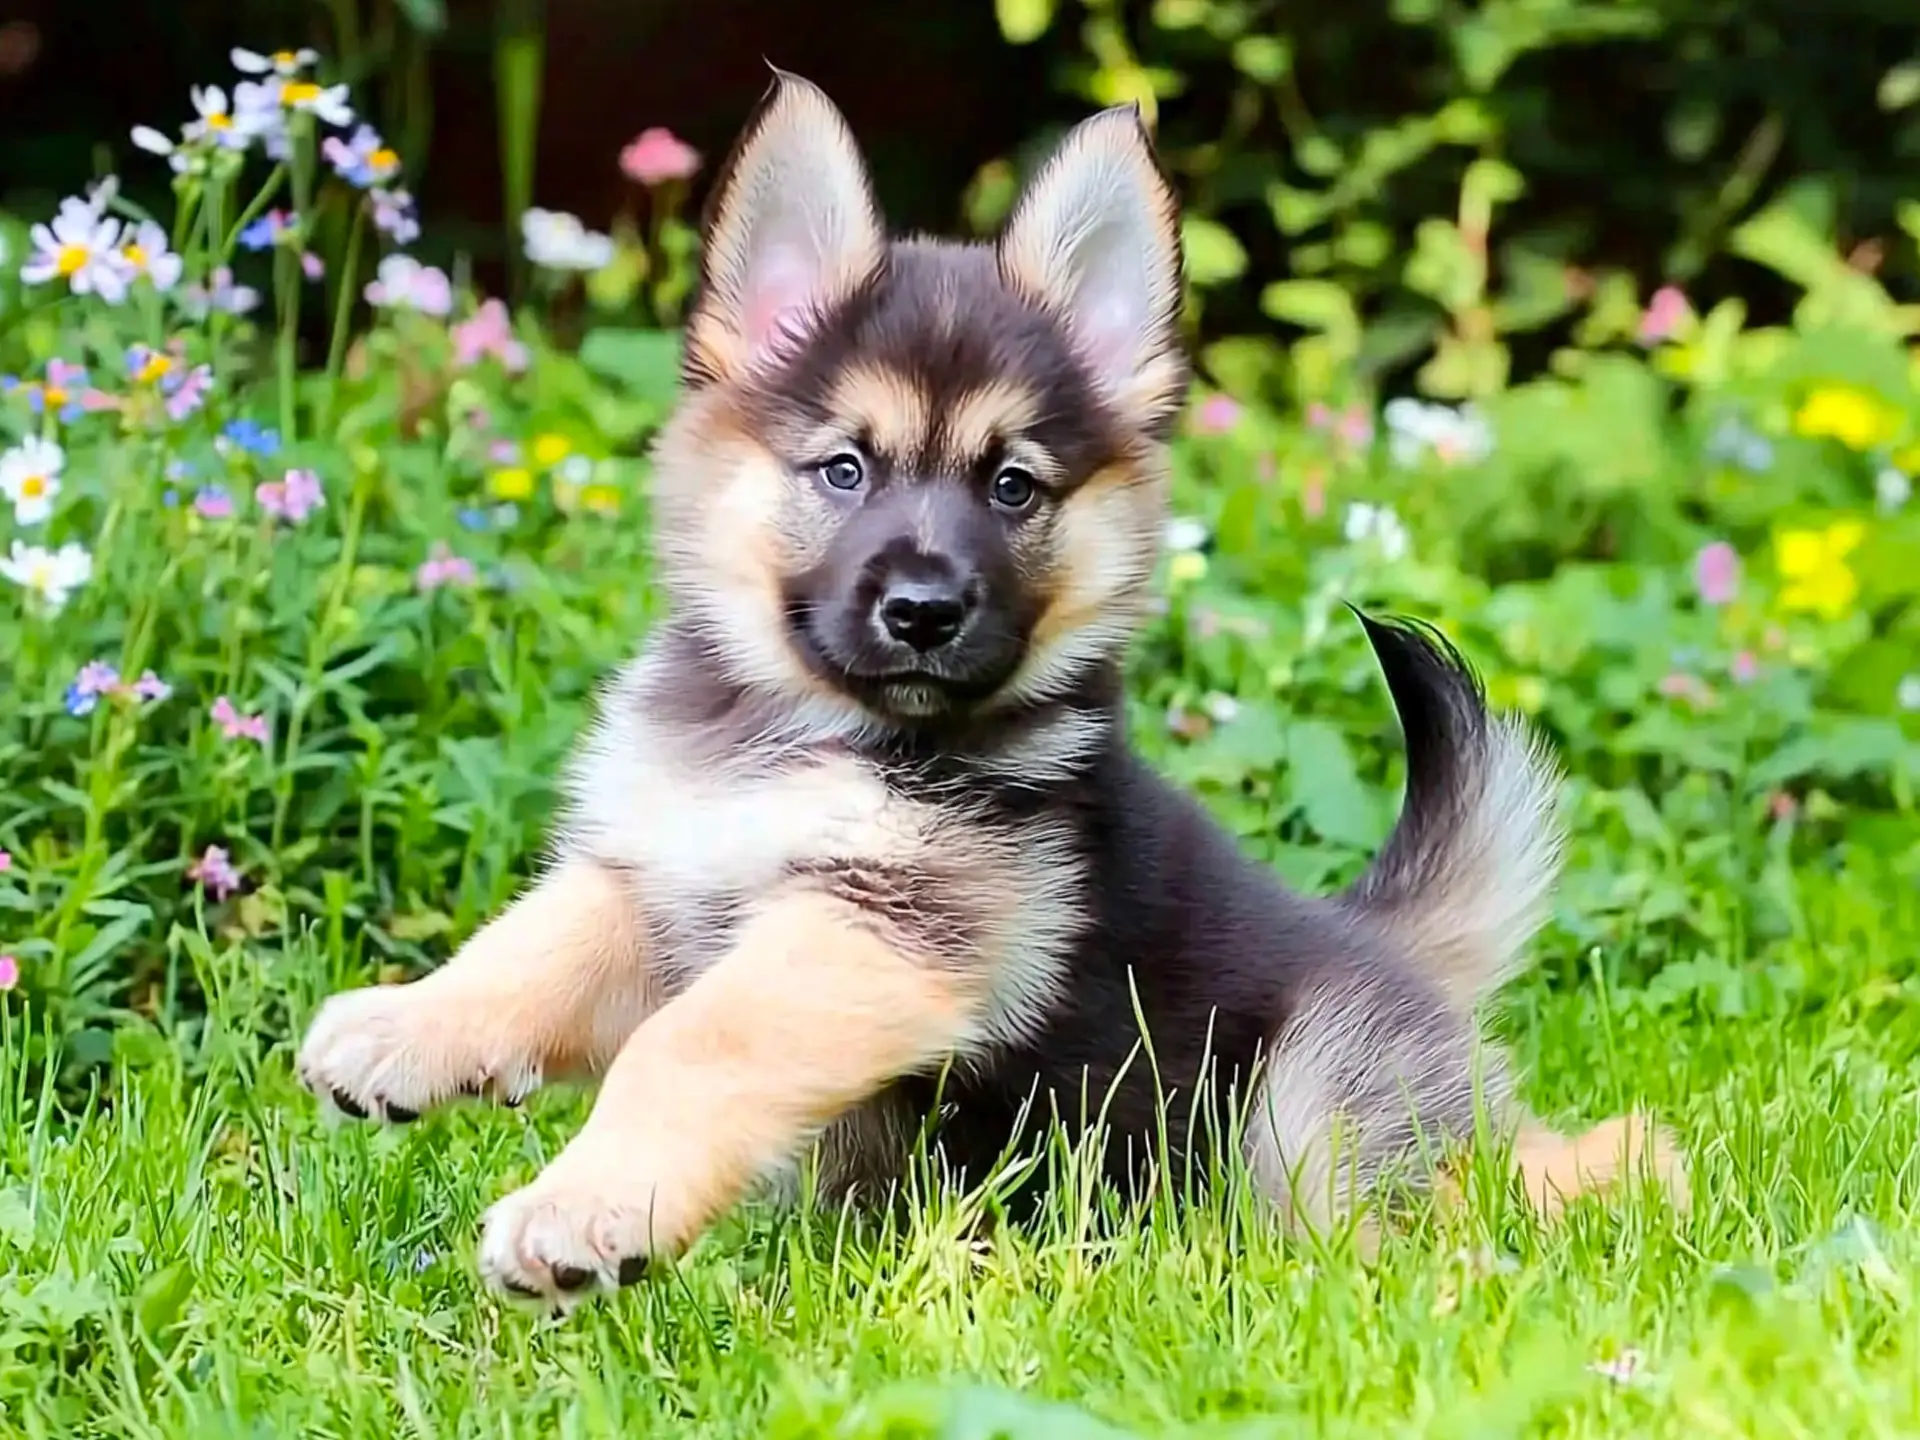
[552, 985]
[1372, 1073]
[1556, 1169]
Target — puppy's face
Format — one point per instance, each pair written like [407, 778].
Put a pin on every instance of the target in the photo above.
[913, 480]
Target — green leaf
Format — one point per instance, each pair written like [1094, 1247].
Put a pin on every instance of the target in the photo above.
[1023, 21]
[1327, 787]
[647, 361]
[427, 16]
[1900, 86]
[1266, 58]
[1214, 255]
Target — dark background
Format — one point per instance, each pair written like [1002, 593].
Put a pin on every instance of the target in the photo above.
[934, 92]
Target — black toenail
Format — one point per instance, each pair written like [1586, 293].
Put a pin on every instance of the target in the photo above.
[349, 1106]
[514, 1287]
[568, 1277]
[400, 1115]
[632, 1269]
[512, 1102]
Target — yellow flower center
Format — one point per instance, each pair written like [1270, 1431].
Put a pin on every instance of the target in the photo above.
[299, 92]
[33, 487]
[72, 259]
[155, 367]
[383, 159]
[54, 394]
[136, 256]
[284, 57]
[219, 122]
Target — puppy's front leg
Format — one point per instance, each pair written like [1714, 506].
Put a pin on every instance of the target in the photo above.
[815, 1008]
[553, 985]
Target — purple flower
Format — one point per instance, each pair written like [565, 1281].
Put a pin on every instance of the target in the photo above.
[213, 503]
[312, 266]
[1716, 573]
[215, 872]
[393, 216]
[364, 161]
[291, 498]
[150, 688]
[186, 391]
[9, 971]
[96, 678]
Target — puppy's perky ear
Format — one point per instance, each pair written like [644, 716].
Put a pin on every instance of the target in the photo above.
[791, 228]
[1095, 238]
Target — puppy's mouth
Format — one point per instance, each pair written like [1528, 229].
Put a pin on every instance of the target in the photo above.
[934, 686]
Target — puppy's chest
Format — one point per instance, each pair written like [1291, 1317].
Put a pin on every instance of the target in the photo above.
[709, 838]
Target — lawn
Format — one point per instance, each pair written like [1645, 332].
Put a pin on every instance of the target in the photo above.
[297, 637]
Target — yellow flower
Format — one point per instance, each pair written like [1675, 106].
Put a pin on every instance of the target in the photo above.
[1907, 458]
[601, 499]
[550, 449]
[1814, 565]
[1186, 567]
[514, 484]
[1847, 414]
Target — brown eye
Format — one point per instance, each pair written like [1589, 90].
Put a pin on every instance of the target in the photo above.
[844, 472]
[1013, 489]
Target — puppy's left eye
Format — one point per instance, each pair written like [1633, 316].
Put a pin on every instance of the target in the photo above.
[1013, 489]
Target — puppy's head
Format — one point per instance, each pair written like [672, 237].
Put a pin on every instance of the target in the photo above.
[913, 480]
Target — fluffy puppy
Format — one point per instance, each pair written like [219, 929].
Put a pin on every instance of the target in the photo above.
[861, 818]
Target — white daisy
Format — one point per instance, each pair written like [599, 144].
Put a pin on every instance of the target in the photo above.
[146, 253]
[53, 575]
[280, 62]
[78, 247]
[30, 478]
[1378, 524]
[558, 241]
[1453, 437]
[1891, 488]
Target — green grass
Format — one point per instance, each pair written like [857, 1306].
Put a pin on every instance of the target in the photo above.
[203, 1256]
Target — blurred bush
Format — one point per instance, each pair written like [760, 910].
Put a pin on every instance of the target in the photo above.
[1466, 187]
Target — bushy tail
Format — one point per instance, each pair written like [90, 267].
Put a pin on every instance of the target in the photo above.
[1466, 877]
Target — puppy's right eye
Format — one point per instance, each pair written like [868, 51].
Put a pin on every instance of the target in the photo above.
[844, 472]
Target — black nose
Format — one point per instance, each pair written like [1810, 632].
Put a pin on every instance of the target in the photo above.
[925, 614]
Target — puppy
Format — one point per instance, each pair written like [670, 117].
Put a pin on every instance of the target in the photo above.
[860, 822]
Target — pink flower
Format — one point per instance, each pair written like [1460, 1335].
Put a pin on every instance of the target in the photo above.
[9, 972]
[504, 452]
[236, 726]
[657, 155]
[1665, 313]
[403, 283]
[1745, 668]
[312, 266]
[1716, 573]
[213, 503]
[292, 498]
[6, 862]
[215, 871]
[489, 332]
[1352, 427]
[443, 567]
[1313, 495]
[1782, 806]
[1217, 415]
[1690, 688]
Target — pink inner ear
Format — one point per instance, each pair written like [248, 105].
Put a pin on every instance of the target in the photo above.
[778, 300]
[1109, 327]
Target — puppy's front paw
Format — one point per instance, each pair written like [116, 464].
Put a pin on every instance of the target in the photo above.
[390, 1052]
[592, 1220]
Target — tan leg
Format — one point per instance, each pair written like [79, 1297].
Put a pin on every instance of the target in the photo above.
[552, 986]
[1556, 1169]
[813, 1010]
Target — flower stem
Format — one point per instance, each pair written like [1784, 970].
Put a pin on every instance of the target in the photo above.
[342, 315]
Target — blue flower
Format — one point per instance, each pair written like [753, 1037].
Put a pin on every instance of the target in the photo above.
[265, 232]
[472, 519]
[252, 437]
